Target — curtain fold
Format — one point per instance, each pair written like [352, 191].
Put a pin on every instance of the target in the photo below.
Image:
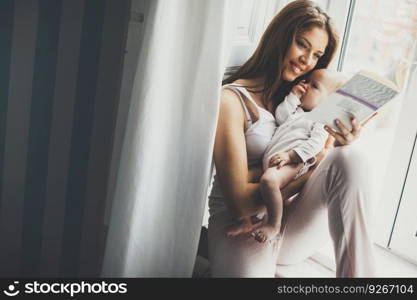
[166, 156]
[61, 63]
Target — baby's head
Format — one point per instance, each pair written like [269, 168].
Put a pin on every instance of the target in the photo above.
[318, 85]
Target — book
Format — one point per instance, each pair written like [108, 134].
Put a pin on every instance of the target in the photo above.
[361, 96]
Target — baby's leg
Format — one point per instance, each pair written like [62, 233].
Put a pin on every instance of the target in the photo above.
[270, 185]
[244, 226]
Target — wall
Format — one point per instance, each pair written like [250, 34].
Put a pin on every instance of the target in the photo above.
[60, 74]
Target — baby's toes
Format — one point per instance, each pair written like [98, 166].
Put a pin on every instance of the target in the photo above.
[260, 237]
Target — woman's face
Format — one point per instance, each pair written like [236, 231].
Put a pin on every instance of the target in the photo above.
[304, 53]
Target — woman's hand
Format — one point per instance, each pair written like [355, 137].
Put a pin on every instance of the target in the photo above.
[346, 137]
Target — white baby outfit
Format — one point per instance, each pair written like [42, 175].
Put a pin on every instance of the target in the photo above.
[305, 137]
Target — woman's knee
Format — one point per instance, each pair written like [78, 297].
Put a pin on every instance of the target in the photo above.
[350, 163]
[349, 176]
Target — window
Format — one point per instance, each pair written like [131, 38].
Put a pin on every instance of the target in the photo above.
[381, 36]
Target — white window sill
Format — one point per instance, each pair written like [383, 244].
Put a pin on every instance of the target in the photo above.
[322, 264]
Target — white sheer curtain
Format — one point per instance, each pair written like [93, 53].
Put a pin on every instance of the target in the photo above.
[167, 150]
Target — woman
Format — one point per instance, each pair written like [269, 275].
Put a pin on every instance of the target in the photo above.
[299, 39]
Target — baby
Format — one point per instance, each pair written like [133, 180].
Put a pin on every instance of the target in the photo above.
[292, 149]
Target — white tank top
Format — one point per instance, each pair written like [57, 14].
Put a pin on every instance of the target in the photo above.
[257, 135]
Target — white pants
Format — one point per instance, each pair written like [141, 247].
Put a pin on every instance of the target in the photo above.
[335, 199]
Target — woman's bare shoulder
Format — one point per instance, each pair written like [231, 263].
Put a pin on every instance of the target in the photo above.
[229, 98]
[230, 95]
[241, 82]
[231, 110]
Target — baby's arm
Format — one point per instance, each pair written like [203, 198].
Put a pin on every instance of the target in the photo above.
[286, 108]
[312, 146]
[289, 106]
[299, 89]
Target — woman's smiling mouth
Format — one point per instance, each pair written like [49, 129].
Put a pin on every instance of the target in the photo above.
[295, 68]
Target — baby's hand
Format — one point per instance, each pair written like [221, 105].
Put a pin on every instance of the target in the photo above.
[299, 89]
[279, 159]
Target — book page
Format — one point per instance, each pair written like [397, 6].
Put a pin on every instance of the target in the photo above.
[368, 90]
[339, 107]
[360, 97]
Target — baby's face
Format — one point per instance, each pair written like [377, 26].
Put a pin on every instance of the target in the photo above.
[316, 92]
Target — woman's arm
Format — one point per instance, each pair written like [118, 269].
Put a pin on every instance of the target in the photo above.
[241, 196]
[255, 173]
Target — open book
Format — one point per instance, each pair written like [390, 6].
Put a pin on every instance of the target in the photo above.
[361, 96]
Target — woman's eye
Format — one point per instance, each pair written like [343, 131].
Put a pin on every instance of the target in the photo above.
[317, 56]
[301, 44]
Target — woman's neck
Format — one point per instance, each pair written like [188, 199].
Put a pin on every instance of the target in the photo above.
[256, 86]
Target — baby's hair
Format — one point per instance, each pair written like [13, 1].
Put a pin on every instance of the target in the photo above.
[334, 79]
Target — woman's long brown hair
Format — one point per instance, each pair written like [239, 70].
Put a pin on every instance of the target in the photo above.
[266, 62]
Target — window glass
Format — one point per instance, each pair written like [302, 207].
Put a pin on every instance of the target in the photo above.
[382, 40]
[383, 35]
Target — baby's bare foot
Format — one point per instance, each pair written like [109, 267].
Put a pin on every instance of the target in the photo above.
[265, 233]
[245, 226]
